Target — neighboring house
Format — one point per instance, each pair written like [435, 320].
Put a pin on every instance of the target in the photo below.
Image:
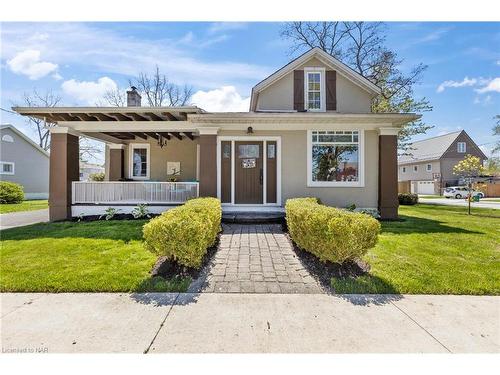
[86, 169]
[24, 162]
[309, 132]
[429, 167]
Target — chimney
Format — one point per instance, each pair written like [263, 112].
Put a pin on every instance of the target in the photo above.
[133, 97]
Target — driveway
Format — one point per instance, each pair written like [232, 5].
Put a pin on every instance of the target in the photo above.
[248, 323]
[20, 219]
[460, 203]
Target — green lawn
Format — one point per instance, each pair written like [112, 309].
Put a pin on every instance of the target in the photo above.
[23, 206]
[435, 250]
[99, 256]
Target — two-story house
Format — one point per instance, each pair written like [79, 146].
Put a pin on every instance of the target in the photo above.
[428, 166]
[309, 132]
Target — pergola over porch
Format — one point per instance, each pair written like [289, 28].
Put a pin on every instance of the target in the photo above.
[118, 127]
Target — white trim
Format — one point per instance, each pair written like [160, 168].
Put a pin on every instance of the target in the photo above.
[459, 148]
[113, 146]
[9, 163]
[264, 140]
[131, 160]
[415, 169]
[427, 167]
[388, 131]
[333, 184]
[322, 75]
[227, 207]
[208, 130]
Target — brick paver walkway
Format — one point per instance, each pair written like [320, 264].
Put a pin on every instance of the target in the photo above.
[257, 259]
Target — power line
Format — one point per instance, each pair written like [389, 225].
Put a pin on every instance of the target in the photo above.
[9, 111]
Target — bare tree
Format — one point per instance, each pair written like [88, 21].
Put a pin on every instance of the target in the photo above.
[88, 148]
[41, 128]
[156, 88]
[159, 91]
[361, 46]
[114, 98]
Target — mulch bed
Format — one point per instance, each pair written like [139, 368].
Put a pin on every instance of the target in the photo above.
[323, 272]
[171, 269]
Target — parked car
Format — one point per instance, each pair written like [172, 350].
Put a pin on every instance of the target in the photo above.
[460, 192]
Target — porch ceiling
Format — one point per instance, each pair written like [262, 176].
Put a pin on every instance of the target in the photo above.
[113, 114]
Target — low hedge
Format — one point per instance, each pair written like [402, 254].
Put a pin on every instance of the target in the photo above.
[11, 192]
[407, 199]
[183, 234]
[332, 234]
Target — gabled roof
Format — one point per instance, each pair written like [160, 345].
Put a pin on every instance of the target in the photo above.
[431, 148]
[25, 137]
[328, 60]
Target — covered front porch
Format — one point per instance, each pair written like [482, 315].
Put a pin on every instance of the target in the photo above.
[153, 156]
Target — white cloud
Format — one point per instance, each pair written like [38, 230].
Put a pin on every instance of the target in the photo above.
[117, 53]
[226, 26]
[224, 99]
[88, 92]
[492, 86]
[464, 83]
[483, 101]
[28, 63]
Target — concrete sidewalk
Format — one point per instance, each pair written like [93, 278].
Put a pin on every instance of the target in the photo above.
[242, 323]
[20, 219]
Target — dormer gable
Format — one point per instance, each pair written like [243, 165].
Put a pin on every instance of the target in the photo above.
[314, 82]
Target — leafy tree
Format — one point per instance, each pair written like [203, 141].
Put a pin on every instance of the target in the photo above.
[492, 166]
[469, 168]
[361, 46]
[496, 132]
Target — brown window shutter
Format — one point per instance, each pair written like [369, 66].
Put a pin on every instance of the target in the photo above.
[298, 90]
[331, 90]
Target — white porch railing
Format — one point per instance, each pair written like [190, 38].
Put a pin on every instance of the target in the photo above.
[133, 192]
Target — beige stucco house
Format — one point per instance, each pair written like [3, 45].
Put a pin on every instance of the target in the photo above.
[24, 162]
[309, 132]
[428, 166]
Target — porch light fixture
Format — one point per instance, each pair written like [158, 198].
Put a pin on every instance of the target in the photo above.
[249, 130]
[161, 141]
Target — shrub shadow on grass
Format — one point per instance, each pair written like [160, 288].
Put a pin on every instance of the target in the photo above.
[412, 224]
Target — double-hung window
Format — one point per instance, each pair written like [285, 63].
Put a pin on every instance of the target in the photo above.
[461, 147]
[335, 158]
[6, 167]
[139, 161]
[314, 89]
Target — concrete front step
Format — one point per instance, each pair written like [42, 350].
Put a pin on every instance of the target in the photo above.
[253, 217]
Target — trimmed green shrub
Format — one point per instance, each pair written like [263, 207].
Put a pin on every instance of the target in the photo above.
[11, 192]
[183, 234]
[98, 176]
[407, 199]
[330, 233]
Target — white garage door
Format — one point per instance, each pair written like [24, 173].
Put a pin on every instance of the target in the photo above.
[425, 187]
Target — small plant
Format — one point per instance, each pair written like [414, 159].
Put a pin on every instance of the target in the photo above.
[99, 176]
[351, 207]
[109, 213]
[11, 192]
[407, 199]
[141, 211]
[373, 212]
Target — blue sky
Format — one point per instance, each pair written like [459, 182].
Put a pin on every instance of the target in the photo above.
[222, 61]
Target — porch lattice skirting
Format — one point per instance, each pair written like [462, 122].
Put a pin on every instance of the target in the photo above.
[133, 192]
